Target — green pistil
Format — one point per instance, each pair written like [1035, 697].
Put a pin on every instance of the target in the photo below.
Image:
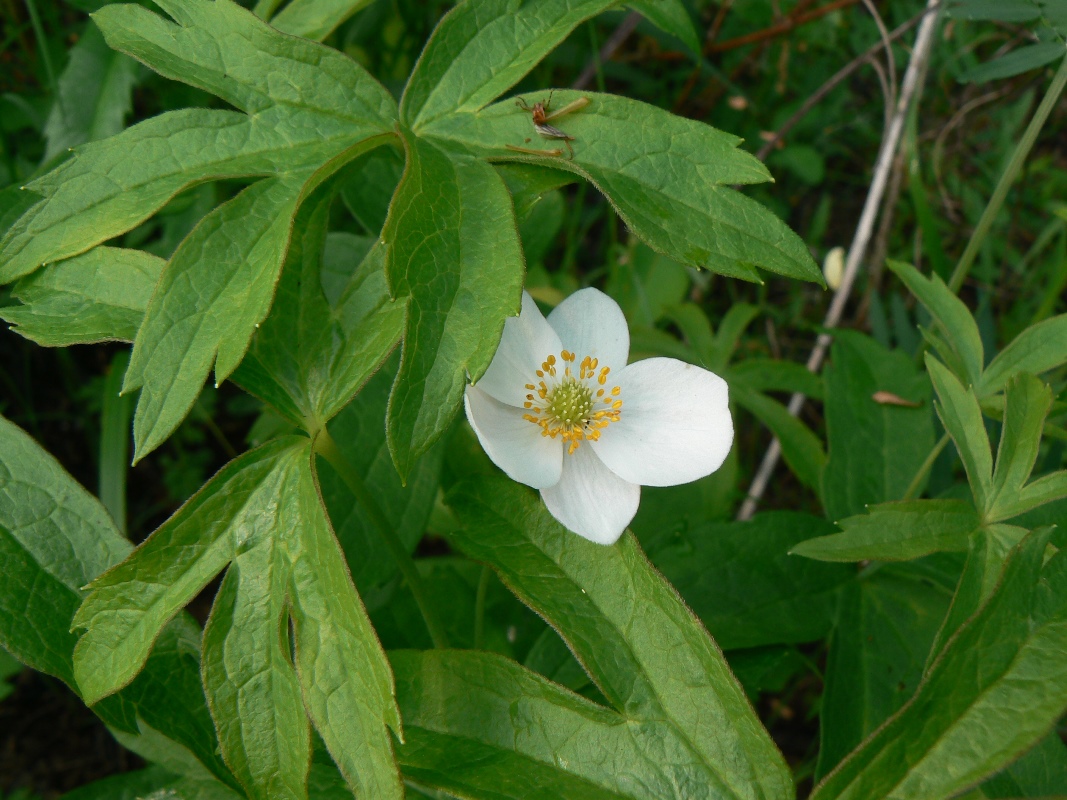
[571, 403]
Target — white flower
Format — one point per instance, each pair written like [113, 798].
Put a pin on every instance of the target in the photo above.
[559, 410]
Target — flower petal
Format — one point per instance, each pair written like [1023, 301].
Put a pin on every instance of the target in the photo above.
[590, 499]
[527, 341]
[513, 443]
[675, 425]
[590, 323]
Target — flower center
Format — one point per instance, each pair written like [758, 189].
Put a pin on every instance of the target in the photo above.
[573, 407]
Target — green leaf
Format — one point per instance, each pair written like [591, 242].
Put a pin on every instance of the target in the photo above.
[669, 178]
[885, 624]
[360, 435]
[987, 555]
[251, 687]
[311, 355]
[1045, 489]
[109, 187]
[315, 19]
[962, 418]
[801, 448]
[1018, 61]
[55, 538]
[897, 531]
[875, 449]
[216, 288]
[671, 17]
[1027, 403]
[98, 296]
[346, 680]
[461, 708]
[224, 49]
[645, 650]
[1039, 348]
[95, 95]
[950, 313]
[481, 49]
[996, 690]
[741, 581]
[326, 105]
[162, 714]
[129, 604]
[451, 234]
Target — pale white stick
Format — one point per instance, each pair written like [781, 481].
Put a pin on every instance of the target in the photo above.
[913, 78]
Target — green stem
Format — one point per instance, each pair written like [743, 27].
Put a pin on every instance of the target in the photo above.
[326, 447]
[1011, 172]
[479, 608]
[924, 470]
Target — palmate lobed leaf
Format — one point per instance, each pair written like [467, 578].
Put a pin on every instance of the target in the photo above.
[451, 235]
[669, 178]
[645, 650]
[264, 513]
[128, 605]
[297, 132]
[997, 688]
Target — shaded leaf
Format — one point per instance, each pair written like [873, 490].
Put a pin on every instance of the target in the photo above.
[1039, 348]
[1018, 61]
[741, 581]
[671, 17]
[54, 538]
[801, 448]
[359, 431]
[885, 624]
[997, 689]
[95, 95]
[875, 449]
